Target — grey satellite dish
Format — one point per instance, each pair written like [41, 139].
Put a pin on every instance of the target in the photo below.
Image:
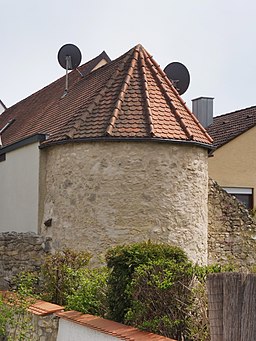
[69, 56]
[178, 75]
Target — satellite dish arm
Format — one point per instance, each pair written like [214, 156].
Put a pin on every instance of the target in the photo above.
[68, 66]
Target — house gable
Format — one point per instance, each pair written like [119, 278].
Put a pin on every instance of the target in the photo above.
[234, 163]
[228, 126]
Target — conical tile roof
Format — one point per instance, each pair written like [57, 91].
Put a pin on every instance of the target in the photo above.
[128, 98]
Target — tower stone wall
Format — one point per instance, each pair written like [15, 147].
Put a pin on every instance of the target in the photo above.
[99, 194]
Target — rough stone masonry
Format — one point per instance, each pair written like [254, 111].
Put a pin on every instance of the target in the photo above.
[20, 252]
[102, 194]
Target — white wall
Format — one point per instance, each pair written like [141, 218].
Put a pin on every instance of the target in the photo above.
[70, 331]
[19, 175]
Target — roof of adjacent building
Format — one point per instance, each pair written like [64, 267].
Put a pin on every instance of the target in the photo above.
[228, 126]
[128, 98]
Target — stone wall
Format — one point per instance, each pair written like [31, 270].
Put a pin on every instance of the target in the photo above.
[33, 328]
[231, 230]
[44, 328]
[99, 194]
[19, 252]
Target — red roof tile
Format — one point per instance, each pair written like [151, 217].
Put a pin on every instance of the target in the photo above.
[44, 308]
[130, 97]
[37, 307]
[110, 327]
[228, 126]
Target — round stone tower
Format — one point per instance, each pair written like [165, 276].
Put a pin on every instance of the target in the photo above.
[128, 164]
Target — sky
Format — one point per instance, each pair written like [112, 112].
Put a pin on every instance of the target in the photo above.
[215, 39]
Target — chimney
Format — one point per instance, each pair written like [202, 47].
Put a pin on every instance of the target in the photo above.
[202, 108]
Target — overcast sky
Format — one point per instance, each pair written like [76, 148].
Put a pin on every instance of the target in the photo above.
[215, 39]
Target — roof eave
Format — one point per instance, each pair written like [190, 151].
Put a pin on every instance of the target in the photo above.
[232, 138]
[24, 142]
[49, 143]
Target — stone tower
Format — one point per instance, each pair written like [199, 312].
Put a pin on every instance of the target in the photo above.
[131, 165]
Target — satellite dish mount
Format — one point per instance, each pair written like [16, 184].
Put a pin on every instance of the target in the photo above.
[69, 57]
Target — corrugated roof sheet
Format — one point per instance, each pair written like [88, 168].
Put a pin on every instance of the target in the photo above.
[130, 97]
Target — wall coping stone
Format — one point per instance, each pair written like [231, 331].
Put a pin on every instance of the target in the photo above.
[113, 328]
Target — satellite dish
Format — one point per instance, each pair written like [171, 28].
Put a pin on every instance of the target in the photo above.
[178, 75]
[69, 56]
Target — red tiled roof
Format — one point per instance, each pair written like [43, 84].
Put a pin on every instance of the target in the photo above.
[130, 97]
[118, 330]
[228, 126]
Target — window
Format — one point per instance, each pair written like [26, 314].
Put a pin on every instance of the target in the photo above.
[244, 195]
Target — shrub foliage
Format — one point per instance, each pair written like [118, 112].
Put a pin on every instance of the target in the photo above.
[59, 274]
[151, 286]
[161, 295]
[123, 261]
[90, 296]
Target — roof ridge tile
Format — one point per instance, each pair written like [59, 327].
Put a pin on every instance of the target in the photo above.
[169, 99]
[147, 98]
[163, 74]
[122, 93]
[95, 101]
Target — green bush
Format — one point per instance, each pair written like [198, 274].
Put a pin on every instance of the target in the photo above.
[59, 275]
[123, 261]
[161, 295]
[57, 278]
[90, 296]
[15, 322]
[151, 286]
[26, 284]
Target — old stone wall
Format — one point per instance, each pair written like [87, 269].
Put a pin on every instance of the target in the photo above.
[231, 230]
[99, 194]
[32, 327]
[20, 252]
[44, 328]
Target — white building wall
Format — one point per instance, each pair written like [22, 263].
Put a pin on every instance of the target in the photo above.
[70, 331]
[19, 176]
